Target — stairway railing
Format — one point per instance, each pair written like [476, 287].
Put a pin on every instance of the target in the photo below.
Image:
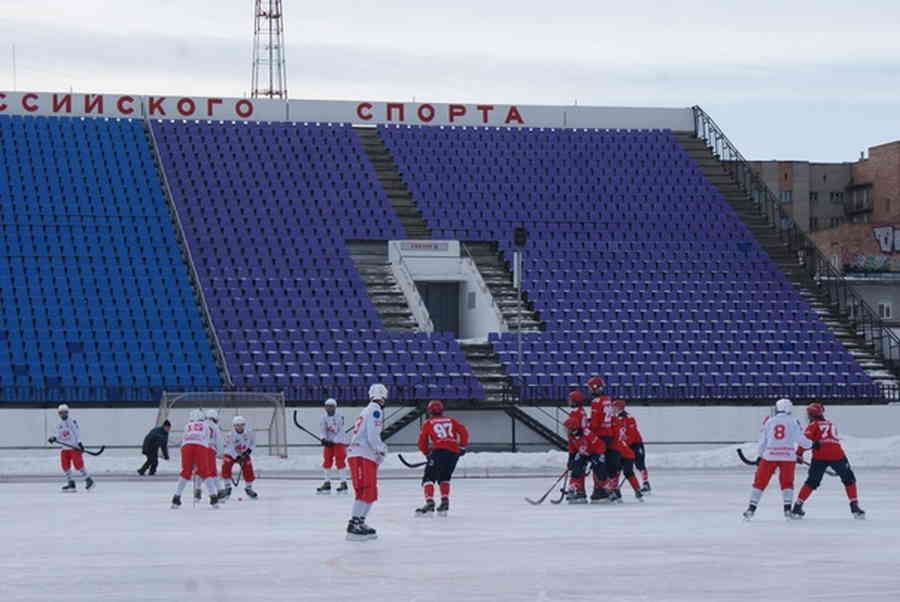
[841, 294]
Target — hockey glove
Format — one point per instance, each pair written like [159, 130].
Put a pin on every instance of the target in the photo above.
[462, 452]
[51, 440]
[816, 444]
[247, 453]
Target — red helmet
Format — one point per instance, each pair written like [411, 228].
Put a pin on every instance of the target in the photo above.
[435, 407]
[815, 410]
[596, 382]
[576, 397]
[619, 404]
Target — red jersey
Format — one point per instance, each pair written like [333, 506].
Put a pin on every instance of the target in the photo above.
[576, 417]
[634, 435]
[620, 436]
[602, 415]
[588, 443]
[829, 444]
[442, 432]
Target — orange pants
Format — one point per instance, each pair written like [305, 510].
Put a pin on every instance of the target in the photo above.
[766, 469]
[199, 457]
[246, 468]
[364, 473]
[71, 457]
[334, 455]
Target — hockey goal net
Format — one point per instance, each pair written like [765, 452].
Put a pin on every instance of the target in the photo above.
[265, 413]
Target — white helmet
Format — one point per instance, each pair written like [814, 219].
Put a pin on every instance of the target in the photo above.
[62, 408]
[784, 405]
[333, 402]
[196, 415]
[212, 414]
[238, 420]
[378, 391]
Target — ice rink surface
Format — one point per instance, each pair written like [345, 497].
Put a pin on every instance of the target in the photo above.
[687, 542]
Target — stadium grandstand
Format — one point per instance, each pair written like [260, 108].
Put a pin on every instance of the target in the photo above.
[151, 249]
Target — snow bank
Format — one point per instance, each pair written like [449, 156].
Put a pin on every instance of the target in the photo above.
[864, 453]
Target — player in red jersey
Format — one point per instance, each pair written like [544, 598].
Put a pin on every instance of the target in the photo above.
[577, 416]
[827, 452]
[636, 443]
[443, 441]
[601, 425]
[622, 445]
[589, 450]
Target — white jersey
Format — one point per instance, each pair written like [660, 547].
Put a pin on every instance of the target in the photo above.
[67, 432]
[197, 432]
[366, 441]
[237, 443]
[217, 440]
[779, 438]
[332, 429]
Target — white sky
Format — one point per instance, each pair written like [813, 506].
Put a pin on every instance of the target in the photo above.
[788, 79]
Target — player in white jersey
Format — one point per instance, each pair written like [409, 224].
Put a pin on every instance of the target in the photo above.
[779, 438]
[239, 444]
[195, 457]
[68, 435]
[334, 447]
[216, 450]
[367, 451]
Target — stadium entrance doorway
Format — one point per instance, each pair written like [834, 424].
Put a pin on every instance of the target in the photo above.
[442, 301]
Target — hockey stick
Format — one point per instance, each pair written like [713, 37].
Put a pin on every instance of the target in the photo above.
[562, 492]
[744, 459]
[549, 491]
[411, 464]
[240, 462]
[305, 430]
[86, 451]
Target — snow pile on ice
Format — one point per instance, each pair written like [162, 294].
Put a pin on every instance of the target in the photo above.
[863, 453]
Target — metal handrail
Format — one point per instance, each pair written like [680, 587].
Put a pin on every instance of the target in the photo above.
[204, 306]
[829, 280]
[485, 288]
[413, 299]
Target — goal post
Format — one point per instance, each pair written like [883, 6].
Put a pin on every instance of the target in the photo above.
[265, 413]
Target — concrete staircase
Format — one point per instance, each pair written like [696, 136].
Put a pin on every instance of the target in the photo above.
[789, 263]
[371, 260]
[389, 177]
[499, 280]
[486, 367]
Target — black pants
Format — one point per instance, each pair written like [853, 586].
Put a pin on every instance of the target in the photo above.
[627, 466]
[841, 467]
[440, 466]
[639, 459]
[613, 461]
[579, 466]
[151, 463]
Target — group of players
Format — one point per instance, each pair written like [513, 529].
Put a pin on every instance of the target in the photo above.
[782, 443]
[605, 443]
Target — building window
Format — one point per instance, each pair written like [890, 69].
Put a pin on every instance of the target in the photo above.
[885, 312]
[834, 222]
[837, 198]
[787, 196]
[813, 198]
[813, 224]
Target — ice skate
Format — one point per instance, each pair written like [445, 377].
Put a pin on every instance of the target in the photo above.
[355, 531]
[426, 511]
[444, 508]
[615, 496]
[227, 492]
[176, 502]
[325, 489]
[221, 497]
[342, 488]
[797, 511]
[578, 497]
[250, 493]
[749, 512]
[69, 487]
[788, 514]
[214, 501]
[88, 484]
[645, 488]
[197, 495]
[638, 495]
[858, 513]
[599, 495]
[370, 532]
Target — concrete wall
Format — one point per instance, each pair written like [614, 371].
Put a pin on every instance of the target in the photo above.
[127, 427]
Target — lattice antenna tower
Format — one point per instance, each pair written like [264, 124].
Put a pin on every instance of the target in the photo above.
[269, 77]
